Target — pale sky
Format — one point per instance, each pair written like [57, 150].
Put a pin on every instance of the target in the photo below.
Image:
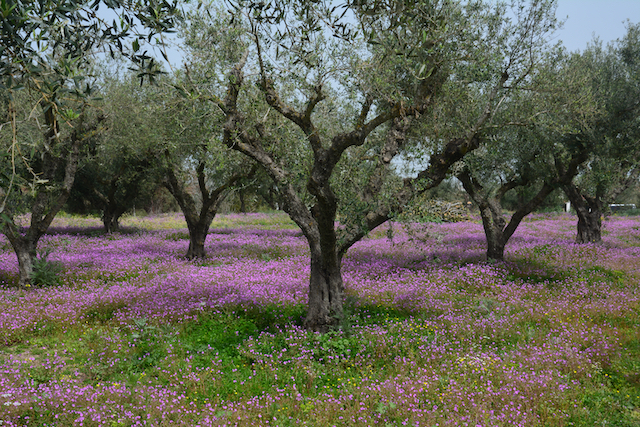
[586, 18]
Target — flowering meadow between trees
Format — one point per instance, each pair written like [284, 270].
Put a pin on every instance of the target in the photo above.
[128, 333]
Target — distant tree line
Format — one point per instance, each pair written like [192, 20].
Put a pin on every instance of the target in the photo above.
[354, 114]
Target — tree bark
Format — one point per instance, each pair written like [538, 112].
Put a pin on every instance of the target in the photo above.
[493, 221]
[496, 229]
[589, 212]
[111, 218]
[197, 236]
[493, 224]
[326, 291]
[199, 220]
[25, 248]
[26, 254]
[109, 222]
[589, 227]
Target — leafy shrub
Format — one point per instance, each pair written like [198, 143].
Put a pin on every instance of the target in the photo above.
[148, 346]
[45, 273]
[333, 344]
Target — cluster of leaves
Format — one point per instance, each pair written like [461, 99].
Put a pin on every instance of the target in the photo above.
[48, 48]
[47, 43]
[46, 273]
[425, 210]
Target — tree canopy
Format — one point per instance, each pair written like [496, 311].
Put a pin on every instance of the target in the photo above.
[382, 73]
[46, 49]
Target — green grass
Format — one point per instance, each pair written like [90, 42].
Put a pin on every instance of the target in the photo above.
[613, 399]
[222, 347]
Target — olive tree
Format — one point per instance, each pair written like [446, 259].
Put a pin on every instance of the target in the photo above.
[519, 163]
[612, 139]
[352, 84]
[196, 167]
[525, 147]
[46, 49]
[119, 167]
[198, 171]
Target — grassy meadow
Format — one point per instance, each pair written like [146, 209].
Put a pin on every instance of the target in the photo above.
[123, 331]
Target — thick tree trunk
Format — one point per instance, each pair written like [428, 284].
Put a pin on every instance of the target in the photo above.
[493, 221]
[590, 216]
[111, 219]
[496, 229]
[589, 226]
[110, 224]
[493, 224]
[26, 254]
[326, 293]
[589, 212]
[495, 248]
[197, 236]
[24, 245]
[199, 220]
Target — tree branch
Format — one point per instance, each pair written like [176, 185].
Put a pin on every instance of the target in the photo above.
[201, 183]
[302, 120]
[236, 137]
[364, 112]
[510, 185]
[184, 199]
[396, 137]
[526, 209]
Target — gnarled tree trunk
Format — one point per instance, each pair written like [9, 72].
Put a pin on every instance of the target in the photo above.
[326, 291]
[111, 218]
[589, 226]
[494, 223]
[25, 249]
[496, 229]
[589, 212]
[493, 220]
[198, 231]
[199, 220]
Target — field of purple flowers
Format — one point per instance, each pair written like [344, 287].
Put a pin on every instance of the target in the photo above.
[134, 335]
